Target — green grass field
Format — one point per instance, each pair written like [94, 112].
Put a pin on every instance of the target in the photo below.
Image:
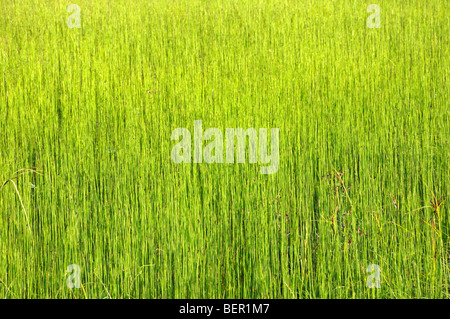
[363, 178]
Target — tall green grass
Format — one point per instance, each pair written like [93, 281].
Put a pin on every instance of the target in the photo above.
[364, 149]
